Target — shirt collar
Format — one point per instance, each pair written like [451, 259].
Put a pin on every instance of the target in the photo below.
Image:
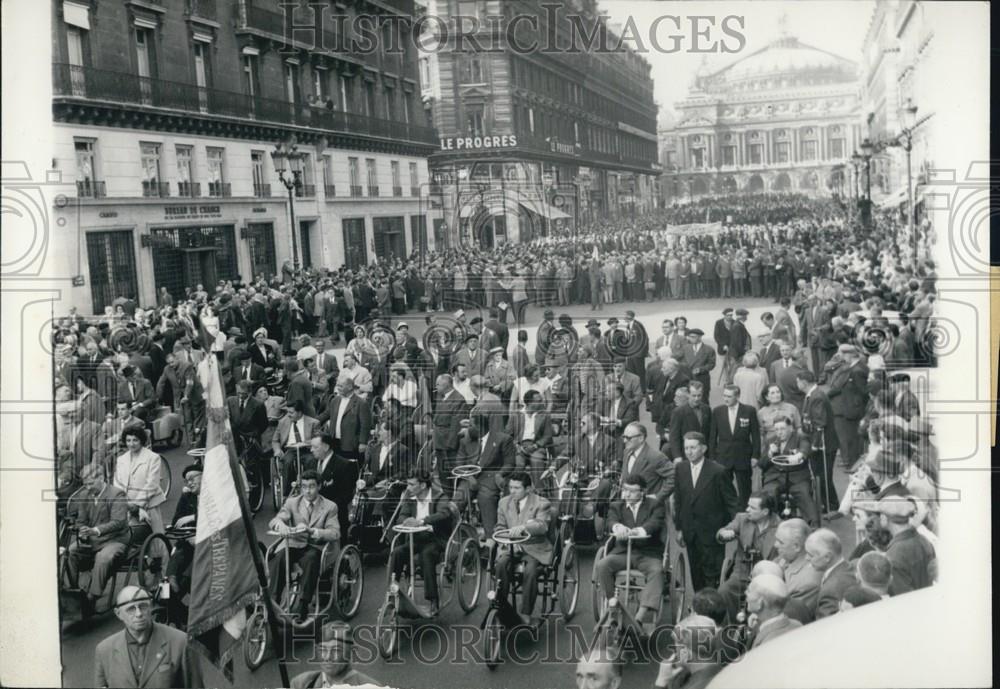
[132, 641]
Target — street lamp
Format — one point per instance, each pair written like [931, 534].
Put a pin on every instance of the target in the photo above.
[867, 149]
[906, 141]
[288, 152]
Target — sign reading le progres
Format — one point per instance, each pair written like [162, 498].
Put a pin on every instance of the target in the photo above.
[455, 143]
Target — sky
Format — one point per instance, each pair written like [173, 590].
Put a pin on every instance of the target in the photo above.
[836, 26]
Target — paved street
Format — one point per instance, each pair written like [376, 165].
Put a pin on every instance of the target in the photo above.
[456, 665]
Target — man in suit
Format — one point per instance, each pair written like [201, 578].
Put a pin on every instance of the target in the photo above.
[326, 359]
[638, 346]
[754, 531]
[334, 651]
[704, 502]
[424, 505]
[137, 392]
[632, 386]
[799, 478]
[818, 426]
[904, 402]
[783, 373]
[740, 341]
[699, 359]
[449, 411]
[307, 514]
[914, 562]
[767, 596]
[722, 332]
[338, 477]
[145, 653]
[101, 515]
[175, 376]
[86, 445]
[825, 554]
[734, 441]
[471, 356]
[695, 415]
[770, 352]
[640, 459]
[523, 512]
[247, 415]
[519, 357]
[544, 336]
[497, 331]
[617, 412]
[294, 428]
[637, 516]
[848, 392]
[246, 369]
[531, 430]
[673, 378]
[802, 578]
[817, 331]
[593, 453]
[495, 453]
[349, 419]
[697, 660]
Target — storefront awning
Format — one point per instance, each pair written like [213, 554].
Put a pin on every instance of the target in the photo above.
[545, 210]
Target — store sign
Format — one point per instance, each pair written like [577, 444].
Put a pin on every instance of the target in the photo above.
[259, 209]
[108, 214]
[470, 143]
[559, 147]
[183, 212]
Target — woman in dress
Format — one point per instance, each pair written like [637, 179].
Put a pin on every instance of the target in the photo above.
[775, 408]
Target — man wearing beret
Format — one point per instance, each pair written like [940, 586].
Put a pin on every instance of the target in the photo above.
[914, 563]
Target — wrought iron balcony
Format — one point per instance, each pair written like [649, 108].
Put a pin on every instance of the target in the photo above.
[329, 190]
[373, 191]
[262, 191]
[188, 189]
[305, 190]
[155, 189]
[220, 189]
[90, 189]
[397, 191]
[356, 190]
[414, 191]
[85, 83]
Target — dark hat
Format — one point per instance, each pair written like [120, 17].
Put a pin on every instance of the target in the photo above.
[234, 331]
[549, 313]
[630, 313]
[471, 336]
[726, 311]
[190, 468]
[593, 323]
[696, 331]
[244, 355]
[619, 360]
[475, 320]
[612, 321]
[899, 378]
[742, 312]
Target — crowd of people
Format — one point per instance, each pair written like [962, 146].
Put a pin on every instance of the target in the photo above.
[823, 378]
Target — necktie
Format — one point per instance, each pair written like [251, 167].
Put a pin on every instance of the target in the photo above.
[309, 512]
[131, 389]
[786, 363]
[517, 508]
[295, 431]
[246, 373]
[243, 405]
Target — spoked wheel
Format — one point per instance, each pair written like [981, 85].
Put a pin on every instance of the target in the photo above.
[569, 582]
[165, 478]
[255, 639]
[468, 574]
[492, 639]
[596, 595]
[152, 562]
[277, 485]
[679, 602]
[255, 481]
[348, 583]
[386, 630]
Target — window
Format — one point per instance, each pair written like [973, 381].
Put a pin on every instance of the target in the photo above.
[87, 185]
[474, 120]
[836, 148]
[781, 152]
[576, 133]
[425, 72]
[144, 62]
[328, 187]
[407, 107]
[808, 150]
[74, 46]
[307, 184]
[756, 154]
[185, 172]
[414, 180]
[251, 75]
[531, 120]
[111, 259]
[698, 155]
[345, 94]
[260, 186]
[397, 183]
[390, 103]
[319, 85]
[291, 82]
[372, 177]
[217, 172]
[472, 71]
[370, 108]
[354, 175]
[729, 155]
[151, 169]
[201, 73]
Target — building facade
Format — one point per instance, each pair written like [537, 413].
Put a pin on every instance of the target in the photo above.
[897, 57]
[784, 118]
[533, 141]
[167, 112]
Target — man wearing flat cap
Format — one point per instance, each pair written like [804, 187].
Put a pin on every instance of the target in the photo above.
[334, 651]
[849, 399]
[904, 402]
[914, 563]
[471, 356]
[699, 359]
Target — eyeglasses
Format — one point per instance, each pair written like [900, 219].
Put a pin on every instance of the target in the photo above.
[630, 437]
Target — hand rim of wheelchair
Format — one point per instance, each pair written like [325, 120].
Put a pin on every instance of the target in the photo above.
[314, 614]
[503, 537]
[196, 452]
[466, 471]
[785, 461]
[403, 529]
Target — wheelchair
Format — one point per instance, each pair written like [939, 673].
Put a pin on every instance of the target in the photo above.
[156, 581]
[369, 528]
[785, 498]
[558, 586]
[615, 617]
[461, 579]
[252, 462]
[139, 564]
[573, 492]
[278, 473]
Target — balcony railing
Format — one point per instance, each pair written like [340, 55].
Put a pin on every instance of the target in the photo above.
[262, 191]
[156, 189]
[188, 189]
[356, 190]
[330, 190]
[220, 189]
[90, 189]
[305, 190]
[120, 87]
[372, 191]
[397, 191]
[203, 8]
[252, 17]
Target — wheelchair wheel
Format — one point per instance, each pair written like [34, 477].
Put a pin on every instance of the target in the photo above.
[255, 480]
[679, 601]
[492, 639]
[151, 566]
[348, 583]
[387, 630]
[165, 478]
[255, 639]
[277, 485]
[596, 595]
[467, 575]
[569, 582]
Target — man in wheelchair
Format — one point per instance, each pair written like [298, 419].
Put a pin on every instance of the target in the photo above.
[640, 516]
[101, 514]
[181, 559]
[424, 505]
[754, 531]
[790, 442]
[309, 521]
[523, 512]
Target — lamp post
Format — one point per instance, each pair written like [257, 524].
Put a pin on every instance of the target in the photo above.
[906, 141]
[867, 148]
[288, 152]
